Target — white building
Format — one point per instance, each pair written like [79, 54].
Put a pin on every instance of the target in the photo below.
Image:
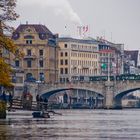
[78, 59]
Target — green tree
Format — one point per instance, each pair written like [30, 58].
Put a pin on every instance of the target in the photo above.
[103, 66]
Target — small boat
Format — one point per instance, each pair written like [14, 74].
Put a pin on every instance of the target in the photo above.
[40, 114]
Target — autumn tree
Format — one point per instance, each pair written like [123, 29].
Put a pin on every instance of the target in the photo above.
[7, 14]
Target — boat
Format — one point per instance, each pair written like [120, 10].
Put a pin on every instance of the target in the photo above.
[40, 114]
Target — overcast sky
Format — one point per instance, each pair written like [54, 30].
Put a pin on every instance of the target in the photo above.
[116, 20]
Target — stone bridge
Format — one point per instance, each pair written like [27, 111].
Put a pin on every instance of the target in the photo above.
[112, 91]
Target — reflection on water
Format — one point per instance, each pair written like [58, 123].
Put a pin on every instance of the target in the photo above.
[74, 125]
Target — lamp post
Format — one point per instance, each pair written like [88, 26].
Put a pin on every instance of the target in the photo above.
[108, 71]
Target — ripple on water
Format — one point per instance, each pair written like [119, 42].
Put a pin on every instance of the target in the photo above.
[75, 125]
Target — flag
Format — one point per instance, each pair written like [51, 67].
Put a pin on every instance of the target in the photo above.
[85, 29]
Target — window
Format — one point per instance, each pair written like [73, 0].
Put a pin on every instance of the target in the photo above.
[66, 54]
[41, 52]
[29, 63]
[41, 63]
[66, 62]
[19, 79]
[42, 77]
[65, 45]
[61, 54]
[66, 70]
[61, 62]
[61, 70]
[29, 75]
[61, 80]
[28, 41]
[17, 63]
[29, 52]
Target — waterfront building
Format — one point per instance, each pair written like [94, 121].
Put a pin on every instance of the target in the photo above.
[40, 50]
[111, 57]
[131, 62]
[78, 59]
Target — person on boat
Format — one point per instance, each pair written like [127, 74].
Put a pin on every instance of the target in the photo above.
[41, 102]
[37, 100]
[46, 103]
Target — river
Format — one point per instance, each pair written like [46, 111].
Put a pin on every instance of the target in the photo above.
[74, 125]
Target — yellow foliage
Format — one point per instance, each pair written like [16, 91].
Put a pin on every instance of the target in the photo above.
[7, 43]
[5, 72]
[5, 69]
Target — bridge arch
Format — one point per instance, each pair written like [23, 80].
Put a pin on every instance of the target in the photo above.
[119, 96]
[48, 94]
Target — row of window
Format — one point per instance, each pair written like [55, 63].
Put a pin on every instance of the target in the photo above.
[84, 71]
[30, 77]
[63, 70]
[29, 63]
[84, 62]
[64, 54]
[64, 79]
[29, 52]
[83, 47]
[77, 54]
[79, 71]
[63, 62]
[107, 54]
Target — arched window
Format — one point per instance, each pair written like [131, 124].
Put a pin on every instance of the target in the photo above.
[29, 75]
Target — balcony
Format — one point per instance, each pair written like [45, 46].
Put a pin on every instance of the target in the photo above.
[30, 57]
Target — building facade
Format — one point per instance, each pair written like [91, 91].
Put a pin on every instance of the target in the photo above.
[78, 59]
[131, 62]
[111, 57]
[40, 52]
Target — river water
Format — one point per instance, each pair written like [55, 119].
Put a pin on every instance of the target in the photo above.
[74, 125]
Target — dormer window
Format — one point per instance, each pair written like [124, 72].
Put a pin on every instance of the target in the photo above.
[28, 30]
[15, 36]
[42, 36]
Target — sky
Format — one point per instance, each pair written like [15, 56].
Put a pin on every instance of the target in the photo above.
[115, 20]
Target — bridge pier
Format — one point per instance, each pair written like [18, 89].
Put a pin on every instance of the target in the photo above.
[117, 104]
[109, 95]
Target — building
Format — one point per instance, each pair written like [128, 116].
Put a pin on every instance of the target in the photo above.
[131, 62]
[40, 50]
[111, 57]
[78, 59]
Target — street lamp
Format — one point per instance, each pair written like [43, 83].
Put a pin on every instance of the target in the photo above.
[38, 82]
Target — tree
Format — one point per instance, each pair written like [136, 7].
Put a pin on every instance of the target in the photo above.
[7, 14]
[103, 66]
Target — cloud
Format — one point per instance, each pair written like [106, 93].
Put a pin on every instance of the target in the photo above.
[60, 8]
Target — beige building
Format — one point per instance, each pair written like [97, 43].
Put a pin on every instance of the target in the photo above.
[40, 52]
[78, 59]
